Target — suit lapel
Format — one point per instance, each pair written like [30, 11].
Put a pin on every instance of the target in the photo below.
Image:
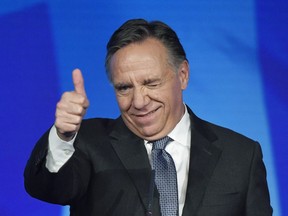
[133, 155]
[203, 159]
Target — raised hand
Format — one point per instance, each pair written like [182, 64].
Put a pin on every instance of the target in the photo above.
[71, 109]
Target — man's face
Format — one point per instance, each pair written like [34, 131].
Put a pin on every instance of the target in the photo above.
[148, 91]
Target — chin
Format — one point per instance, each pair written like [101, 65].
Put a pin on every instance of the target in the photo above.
[150, 134]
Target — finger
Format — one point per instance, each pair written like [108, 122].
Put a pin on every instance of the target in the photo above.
[67, 119]
[72, 103]
[78, 82]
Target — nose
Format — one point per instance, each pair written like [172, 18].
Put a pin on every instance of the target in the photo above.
[140, 98]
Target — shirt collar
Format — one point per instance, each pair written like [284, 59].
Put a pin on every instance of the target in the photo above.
[180, 133]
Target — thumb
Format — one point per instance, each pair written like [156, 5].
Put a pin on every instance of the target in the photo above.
[78, 82]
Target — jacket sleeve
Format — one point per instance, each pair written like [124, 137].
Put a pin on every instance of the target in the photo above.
[64, 187]
[258, 200]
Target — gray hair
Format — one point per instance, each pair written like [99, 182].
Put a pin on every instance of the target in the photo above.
[138, 30]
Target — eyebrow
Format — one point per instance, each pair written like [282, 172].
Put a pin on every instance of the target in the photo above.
[122, 85]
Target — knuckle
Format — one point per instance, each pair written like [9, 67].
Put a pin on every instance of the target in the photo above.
[74, 120]
[59, 124]
[59, 105]
[66, 95]
[59, 113]
[81, 110]
[73, 127]
[78, 119]
[82, 100]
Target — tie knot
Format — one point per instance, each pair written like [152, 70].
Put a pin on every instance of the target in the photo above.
[161, 143]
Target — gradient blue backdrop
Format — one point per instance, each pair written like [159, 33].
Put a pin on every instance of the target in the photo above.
[238, 53]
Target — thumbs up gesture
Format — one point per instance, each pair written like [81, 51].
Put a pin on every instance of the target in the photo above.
[71, 108]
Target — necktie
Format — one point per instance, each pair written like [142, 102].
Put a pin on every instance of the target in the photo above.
[165, 177]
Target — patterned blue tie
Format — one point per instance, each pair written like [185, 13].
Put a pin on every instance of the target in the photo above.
[165, 177]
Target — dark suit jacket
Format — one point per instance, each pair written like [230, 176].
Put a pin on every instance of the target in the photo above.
[110, 174]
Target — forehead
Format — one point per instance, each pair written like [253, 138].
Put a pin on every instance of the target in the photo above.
[137, 56]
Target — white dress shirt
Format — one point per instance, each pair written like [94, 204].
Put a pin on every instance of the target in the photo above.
[60, 151]
[179, 149]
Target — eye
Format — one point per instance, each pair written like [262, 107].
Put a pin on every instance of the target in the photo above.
[122, 89]
[152, 85]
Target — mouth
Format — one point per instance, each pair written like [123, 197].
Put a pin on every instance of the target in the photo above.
[146, 114]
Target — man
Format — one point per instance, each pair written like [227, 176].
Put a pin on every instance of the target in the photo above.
[104, 166]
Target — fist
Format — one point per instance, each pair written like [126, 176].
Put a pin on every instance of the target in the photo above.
[71, 108]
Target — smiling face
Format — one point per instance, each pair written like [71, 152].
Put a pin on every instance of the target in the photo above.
[148, 90]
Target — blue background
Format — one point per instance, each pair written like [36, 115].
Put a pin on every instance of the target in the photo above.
[238, 53]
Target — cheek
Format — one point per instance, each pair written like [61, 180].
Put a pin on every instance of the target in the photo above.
[123, 103]
[155, 94]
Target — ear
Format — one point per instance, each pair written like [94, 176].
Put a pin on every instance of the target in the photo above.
[183, 74]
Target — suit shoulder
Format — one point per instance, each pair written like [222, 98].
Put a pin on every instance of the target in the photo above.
[229, 133]
[225, 137]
